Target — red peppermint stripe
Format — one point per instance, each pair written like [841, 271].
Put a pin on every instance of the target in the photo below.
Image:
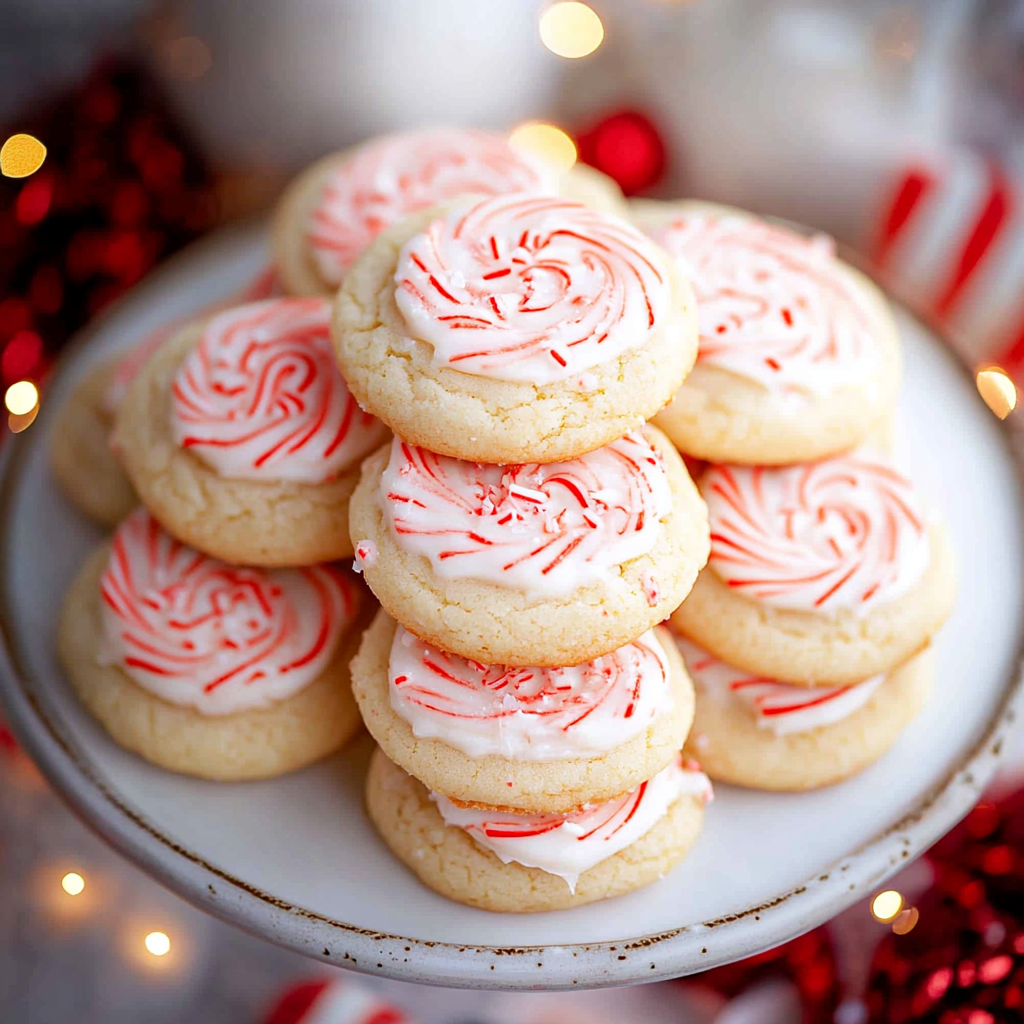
[908, 198]
[981, 239]
[329, 1001]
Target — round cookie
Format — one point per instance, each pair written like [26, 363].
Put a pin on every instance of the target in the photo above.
[799, 354]
[332, 211]
[450, 862]
[516, 329]
[523, 784]
[497, 613]
[735, 741]
[80, 453]
[250, 744]
[248, 450]
[822, 574]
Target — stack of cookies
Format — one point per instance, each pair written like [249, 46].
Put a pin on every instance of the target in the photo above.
[807, 634]
[525, 534]
[526, 530]
[213, 634]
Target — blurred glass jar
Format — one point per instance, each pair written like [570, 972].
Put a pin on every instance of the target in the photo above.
[801, 108]
[276, 83]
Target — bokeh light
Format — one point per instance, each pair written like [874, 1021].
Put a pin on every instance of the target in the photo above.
[188, 58]
[33, 202]
[21, 356]
[73, 883]
[571, 29]
[905, 920]
[158, 943]
[546, 141]
[997, 390]
[21, 155]
[628, 147]
[886, 905]
[21, 398]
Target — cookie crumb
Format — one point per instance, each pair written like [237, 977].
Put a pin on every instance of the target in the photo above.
[366, 554]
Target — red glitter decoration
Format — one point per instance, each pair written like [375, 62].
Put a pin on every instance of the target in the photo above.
[958, 966]
[964, 962]
[808, 962]
[21, 356]
[121, 188]
[33, 202]
[627, 147]
[15, 315]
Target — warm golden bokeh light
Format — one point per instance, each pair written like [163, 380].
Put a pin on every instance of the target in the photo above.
[16, 424]
[886, 905]
[21, 155]
[571, 29]
[158, 944]
[997, 390]
[905, 920]
[21, 398]
[73, 883]
[188, 58]
[547, 142]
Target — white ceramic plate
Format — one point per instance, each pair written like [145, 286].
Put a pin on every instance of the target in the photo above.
[296, 861]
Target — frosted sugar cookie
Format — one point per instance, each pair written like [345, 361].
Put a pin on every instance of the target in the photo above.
[241, 437]
[545, 565]
[80, 452]
[757, 732]
[336, 208]
[529, 739]
[206, 668]
[517, 329]
[521, 863]
[799, 355]
[824, 573]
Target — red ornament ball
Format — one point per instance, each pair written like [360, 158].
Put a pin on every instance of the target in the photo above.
[627, 147]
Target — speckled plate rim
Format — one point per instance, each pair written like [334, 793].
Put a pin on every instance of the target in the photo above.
[685, 950]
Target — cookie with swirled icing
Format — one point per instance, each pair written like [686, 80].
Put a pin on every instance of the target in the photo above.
[242, 439]
[80, 454]
[206, 668]
[520, 328]
[821, 573]
[532, 739]
[537, 564]
[531, 863]
[756, 732]
[799, 356]
[336, 208]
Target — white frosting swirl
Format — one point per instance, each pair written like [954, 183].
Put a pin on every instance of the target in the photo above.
[543, 529]
[199, 633]
[569, 844]
[782, 708]
[773, 306]
[531, 289]
[529, 714]
[389, 178]
[260, 397]
[841, 534]
[263, 286]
